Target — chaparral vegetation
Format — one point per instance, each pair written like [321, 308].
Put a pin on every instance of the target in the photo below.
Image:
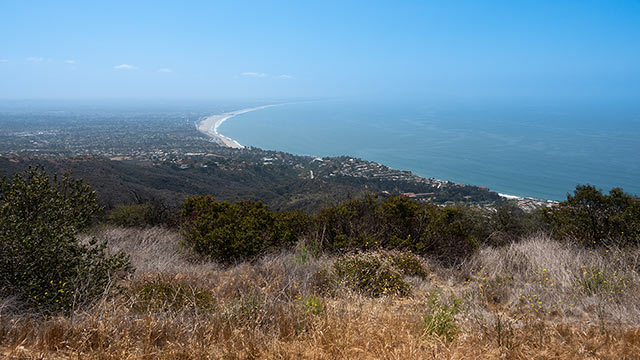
[372, 277]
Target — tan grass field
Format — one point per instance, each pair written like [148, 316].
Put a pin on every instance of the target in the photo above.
[536, 299]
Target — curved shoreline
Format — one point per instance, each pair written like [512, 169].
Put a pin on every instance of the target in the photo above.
[209, 126]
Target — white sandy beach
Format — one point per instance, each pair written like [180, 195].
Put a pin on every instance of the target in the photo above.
[209, 125]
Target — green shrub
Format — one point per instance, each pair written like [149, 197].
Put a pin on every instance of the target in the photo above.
[371, 223]
[451, 234]
[594, 218]
[230, 232]
[448, 234]
[370, 275]
[402, 220]
[439, 318]
[41, 260]
[354, 224]
[408, 264]
[509, 224]
[158, 295]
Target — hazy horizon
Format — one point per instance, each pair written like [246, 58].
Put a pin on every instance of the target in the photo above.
[548, 51]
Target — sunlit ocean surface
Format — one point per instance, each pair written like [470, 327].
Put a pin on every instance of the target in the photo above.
[524, 150]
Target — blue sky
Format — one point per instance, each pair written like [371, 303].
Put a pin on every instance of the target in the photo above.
[574, 50]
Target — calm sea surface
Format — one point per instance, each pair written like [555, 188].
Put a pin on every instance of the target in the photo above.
[520, 150]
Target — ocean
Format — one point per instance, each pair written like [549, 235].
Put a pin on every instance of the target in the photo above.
[523, 150]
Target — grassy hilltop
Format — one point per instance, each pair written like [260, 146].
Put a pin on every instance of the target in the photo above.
[373, 277]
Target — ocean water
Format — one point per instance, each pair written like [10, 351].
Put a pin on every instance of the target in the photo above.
[525, 150]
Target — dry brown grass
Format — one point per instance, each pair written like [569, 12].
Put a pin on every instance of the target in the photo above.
[152, 250]
[258, 311]
[543, 278]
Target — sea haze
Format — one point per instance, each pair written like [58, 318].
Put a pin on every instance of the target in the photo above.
[525, 150]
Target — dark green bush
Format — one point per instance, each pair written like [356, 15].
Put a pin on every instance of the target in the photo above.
[41, 260]
[451, 234]
[403, 222]
[371, 223]
[229, 232]
[594, 218]
[354, 224]
[510, 223]
[370, 275]
[448, 234]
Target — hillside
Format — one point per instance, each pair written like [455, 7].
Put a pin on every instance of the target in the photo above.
[370, 277]
[526, 300]
[243, 176]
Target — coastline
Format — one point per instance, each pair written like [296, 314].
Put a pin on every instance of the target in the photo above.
[209, 126]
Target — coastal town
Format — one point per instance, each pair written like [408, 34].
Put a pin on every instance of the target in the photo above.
[157, 140]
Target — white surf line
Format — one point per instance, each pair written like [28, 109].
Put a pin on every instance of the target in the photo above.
[510, 197]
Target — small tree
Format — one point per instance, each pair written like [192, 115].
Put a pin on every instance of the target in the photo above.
[451, 234]
[594, 218]
[41, 261]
